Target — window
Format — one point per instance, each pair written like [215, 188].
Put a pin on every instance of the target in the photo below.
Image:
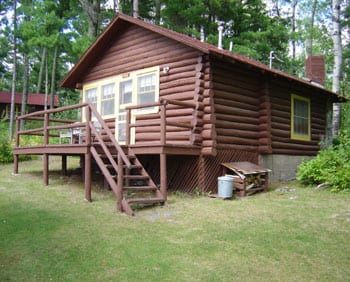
[146, 89]
[111, 96]
[300, 118]
[91, 96]
[107, 103]
[125, 92]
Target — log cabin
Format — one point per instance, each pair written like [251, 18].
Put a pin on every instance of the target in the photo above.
[163, 111]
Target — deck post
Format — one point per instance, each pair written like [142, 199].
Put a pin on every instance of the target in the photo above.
[46, 132]
[87, 162]
[163, 176]
[64, 164]
[46, 156]
[128, 121]
[46, 169]
[16, 157]
[120, 184]
[15, 164]
[87, 176]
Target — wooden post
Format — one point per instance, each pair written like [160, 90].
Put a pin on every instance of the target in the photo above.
[15, 161]
[87, 176]
[120, 184]
[64, 164]
[15, 164]
[87, 162]
[128, 120]
[46, 132]
[87, 127]
[163, 176]
[46, 169]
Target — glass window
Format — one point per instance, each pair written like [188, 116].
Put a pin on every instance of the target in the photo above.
[125, 92]
[146, 89]
[91, 96]
[300, 118]
[107, 102]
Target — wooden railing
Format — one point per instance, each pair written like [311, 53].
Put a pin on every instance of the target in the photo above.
[48, 130]
[162, 118]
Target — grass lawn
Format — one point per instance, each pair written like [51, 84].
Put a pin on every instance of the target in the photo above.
[51, 234]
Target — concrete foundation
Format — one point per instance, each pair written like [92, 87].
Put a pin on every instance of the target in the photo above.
[284, 167]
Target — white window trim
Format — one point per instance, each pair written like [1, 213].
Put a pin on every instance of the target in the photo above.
[117, 80]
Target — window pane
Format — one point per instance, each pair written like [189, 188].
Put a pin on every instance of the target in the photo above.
[91, 96]
[107, 104]
[301, 117]
[125, 92]
[146, 89]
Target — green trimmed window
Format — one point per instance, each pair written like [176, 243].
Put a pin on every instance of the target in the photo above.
[300, 118]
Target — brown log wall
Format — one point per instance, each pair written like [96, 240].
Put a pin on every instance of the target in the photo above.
[237, 108]
[280, 95]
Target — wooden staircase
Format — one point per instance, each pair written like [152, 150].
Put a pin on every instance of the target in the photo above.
[123, 171]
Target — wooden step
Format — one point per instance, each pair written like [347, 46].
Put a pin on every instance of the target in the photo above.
[140, 188]
[136, 177]
[124, 166]
[145, 200]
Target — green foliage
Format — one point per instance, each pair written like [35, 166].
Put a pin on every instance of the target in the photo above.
[6, 147]
[331, 166]
[246, 24]
[6, 155]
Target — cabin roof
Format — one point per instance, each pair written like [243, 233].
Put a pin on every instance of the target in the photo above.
[121, 21]
[34, 99]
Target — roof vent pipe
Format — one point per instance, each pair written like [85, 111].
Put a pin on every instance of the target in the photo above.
[220, 29]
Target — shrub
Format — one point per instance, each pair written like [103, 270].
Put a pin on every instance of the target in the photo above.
[6, 147]
[6, 155]
[330, 166]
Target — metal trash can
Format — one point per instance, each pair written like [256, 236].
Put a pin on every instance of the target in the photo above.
[225, 186]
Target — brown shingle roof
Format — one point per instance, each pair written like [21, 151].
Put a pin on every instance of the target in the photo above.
[121, 20]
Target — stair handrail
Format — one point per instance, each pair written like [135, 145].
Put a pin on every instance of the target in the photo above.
[110, 135]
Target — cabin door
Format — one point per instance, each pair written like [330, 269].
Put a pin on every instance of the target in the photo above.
[124, 100]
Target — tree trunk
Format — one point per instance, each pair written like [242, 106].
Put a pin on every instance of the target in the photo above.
[92, 10]
[25, 87]
[337, 68]
[14, 70]
[158, 11]
[41, 70]
[53, 79]
[294, 5]
[309, 40]
[135, 8]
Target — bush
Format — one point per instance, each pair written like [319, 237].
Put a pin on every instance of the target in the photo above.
[330, 166]
[6, 155]
[6, 147]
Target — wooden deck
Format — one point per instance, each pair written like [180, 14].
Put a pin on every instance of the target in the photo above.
[118, 163]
